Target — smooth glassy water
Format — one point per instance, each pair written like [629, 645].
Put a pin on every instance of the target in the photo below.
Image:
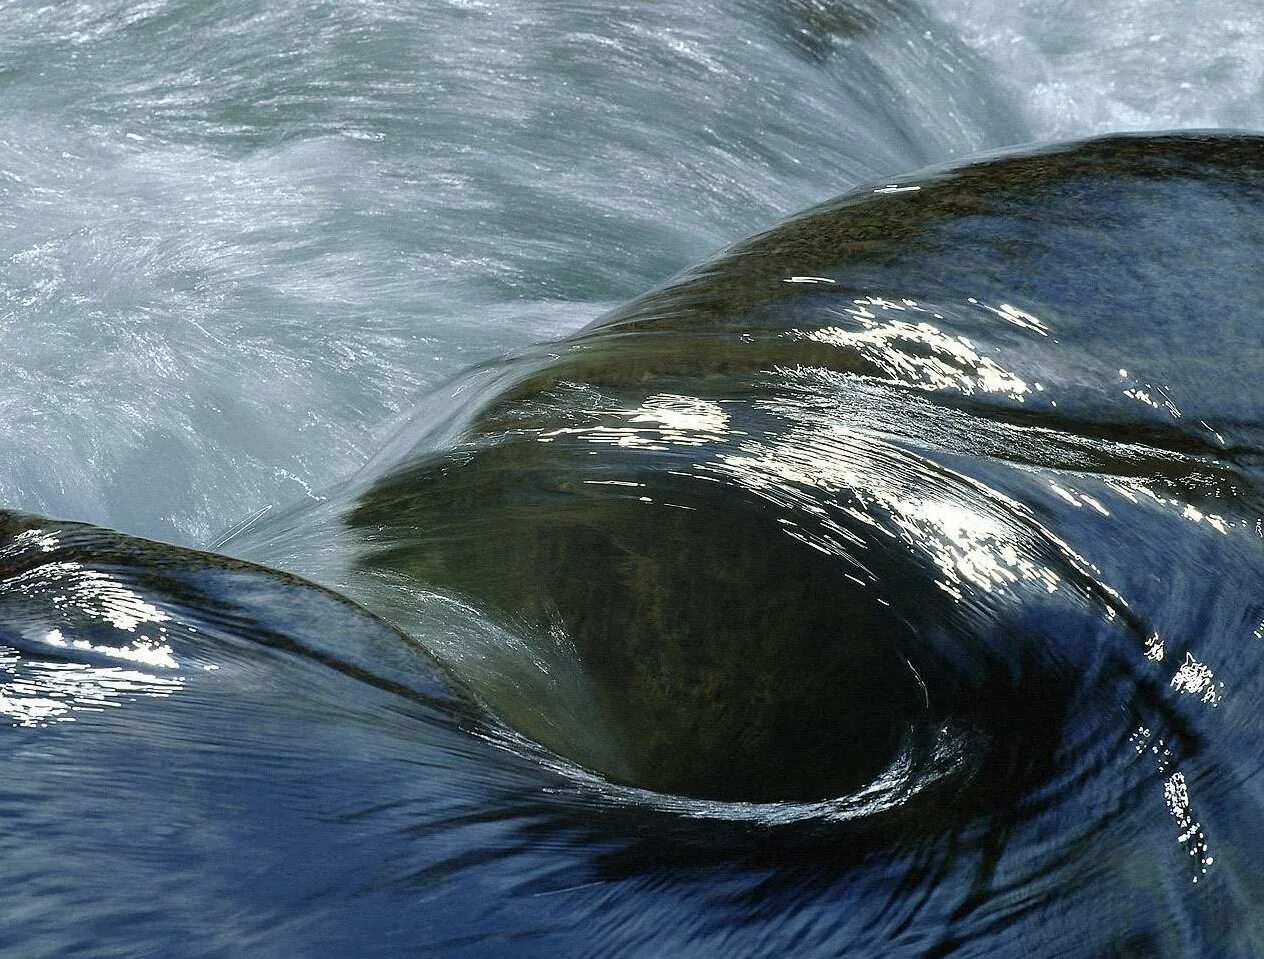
[886, 585]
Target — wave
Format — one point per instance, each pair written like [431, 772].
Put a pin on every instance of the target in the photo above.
[897, 556]
[885, 585]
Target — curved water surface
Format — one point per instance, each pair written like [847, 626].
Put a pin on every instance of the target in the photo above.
[883, 586]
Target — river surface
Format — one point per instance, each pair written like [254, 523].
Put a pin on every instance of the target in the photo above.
[885, 586]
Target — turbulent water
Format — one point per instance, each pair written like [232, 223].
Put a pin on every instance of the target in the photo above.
[886, 585]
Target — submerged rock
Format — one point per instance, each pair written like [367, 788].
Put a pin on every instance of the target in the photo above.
[882, 489]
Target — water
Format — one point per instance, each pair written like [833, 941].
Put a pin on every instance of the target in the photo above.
[1007, 457]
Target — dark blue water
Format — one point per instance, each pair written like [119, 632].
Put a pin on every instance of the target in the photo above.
[885, 586]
